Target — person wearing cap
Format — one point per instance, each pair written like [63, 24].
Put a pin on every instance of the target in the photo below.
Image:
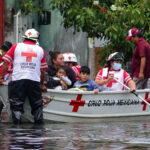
[3, 50]
[140, 59]
[108, 76]
[70, 60]
[28, 61]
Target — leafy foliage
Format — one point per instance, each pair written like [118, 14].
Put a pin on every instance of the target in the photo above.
[108, 18]
[30, 6]
[101, 18]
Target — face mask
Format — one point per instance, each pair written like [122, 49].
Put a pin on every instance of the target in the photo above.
[117, 66]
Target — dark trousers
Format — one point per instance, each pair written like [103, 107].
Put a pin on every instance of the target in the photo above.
[18, 91]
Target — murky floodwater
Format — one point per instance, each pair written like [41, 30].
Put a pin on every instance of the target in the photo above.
[65, 136]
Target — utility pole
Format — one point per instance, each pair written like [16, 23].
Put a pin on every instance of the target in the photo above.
[1, 21]
[92, 58]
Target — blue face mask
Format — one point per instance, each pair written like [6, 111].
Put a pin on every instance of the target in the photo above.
[117, 66]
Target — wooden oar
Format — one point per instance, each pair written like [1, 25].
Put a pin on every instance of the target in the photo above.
[133, 92]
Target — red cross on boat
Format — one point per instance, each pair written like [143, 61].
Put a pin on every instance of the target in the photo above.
[76, 103]
[147, 99]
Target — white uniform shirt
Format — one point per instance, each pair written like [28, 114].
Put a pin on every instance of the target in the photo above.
[28, 59]
[113, 85]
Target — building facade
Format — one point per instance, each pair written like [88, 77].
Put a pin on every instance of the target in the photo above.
[53, 36]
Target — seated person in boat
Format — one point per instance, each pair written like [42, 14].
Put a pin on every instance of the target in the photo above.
[61, 75]
[107, 77]
[57, 60]
[84, 83]
[3, 50]
[70, 60]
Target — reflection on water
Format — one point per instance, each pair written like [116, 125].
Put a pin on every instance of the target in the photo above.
[100, 136]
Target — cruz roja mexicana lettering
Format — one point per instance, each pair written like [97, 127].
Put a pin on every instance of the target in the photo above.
[128, 102]
[121, 102]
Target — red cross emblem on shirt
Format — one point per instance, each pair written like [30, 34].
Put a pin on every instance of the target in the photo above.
[109, 84]
[29, 54]
[147, 99]
[76, 103]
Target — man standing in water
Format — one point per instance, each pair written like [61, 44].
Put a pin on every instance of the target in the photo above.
[28, 61]
[140, 59]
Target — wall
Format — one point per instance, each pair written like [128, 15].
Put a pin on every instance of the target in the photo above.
[9, 20]
[66, 41]
[55, 37]
[52, 36]
[15, 22]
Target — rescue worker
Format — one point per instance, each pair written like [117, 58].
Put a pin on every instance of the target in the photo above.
[105, 76]
[70, 60]
[3, 50]
[28, 61]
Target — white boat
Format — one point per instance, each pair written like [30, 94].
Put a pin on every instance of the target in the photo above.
[78, 106]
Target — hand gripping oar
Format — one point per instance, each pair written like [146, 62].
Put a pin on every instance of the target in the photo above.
[133, 92]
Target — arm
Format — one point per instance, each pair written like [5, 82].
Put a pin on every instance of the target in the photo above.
[132, 85]
[142, 66]
[43, 87]
[105, 81]
[96, 91]
[96, 87]
[42, 76]
[71, 76]
[51, 83]
[63, 83]
[66, 80]
[8, 58]
[4, 68]
[75, 84]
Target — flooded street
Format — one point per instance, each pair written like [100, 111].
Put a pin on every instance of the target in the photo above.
[133, 135]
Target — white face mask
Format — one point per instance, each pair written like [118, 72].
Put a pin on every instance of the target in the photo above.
[117, 66]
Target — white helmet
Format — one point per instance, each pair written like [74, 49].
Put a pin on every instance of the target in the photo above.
[115, 56]
[70, 57]
[31, 34]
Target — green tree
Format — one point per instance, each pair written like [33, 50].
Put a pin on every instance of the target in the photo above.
[110, 19]
[30, 6]
[107, 18]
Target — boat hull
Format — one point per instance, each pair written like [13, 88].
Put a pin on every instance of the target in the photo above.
[77, 106]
